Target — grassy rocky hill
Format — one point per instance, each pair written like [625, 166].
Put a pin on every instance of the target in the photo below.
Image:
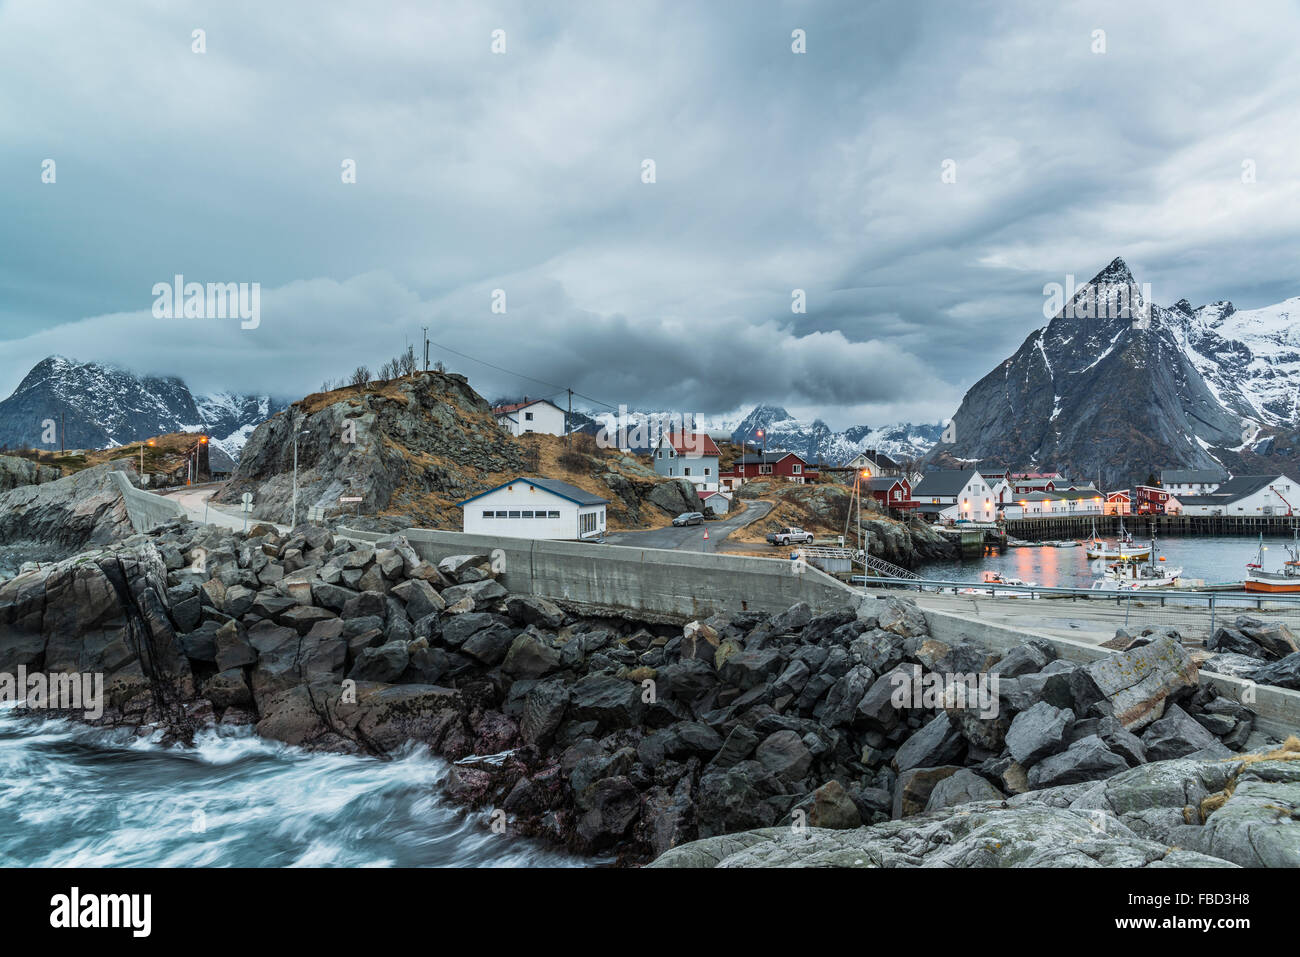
[412, 447]
[823, 509]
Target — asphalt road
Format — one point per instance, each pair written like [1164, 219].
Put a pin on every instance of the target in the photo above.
[691, 536]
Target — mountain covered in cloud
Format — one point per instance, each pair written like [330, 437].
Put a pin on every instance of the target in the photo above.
[101, 406]
[1115, 394]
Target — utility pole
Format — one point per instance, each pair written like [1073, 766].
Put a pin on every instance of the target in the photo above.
[426, 348]
[568, 420]
[63, 442]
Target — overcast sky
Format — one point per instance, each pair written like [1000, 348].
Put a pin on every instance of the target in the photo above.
[522, 171]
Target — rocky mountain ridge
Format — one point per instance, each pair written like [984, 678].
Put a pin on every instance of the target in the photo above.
[101, 406]
[1113, 393]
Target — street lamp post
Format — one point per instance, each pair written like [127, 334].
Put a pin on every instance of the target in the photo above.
[295, 475]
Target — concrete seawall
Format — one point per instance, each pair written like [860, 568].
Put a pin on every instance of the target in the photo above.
[673, 585]
[146, 511]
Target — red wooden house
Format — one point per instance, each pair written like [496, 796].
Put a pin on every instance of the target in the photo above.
[766, 465]
[891, 492]
[1153, 500]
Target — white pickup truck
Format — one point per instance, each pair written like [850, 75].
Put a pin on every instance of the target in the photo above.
[789, 536]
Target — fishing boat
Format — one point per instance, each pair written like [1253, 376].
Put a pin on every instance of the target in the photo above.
[1124, 550]
[1126, 574]
[1286, 579]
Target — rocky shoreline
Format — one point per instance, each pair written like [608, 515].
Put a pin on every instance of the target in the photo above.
[622, 737]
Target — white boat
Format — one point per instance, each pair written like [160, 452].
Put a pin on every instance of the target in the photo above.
[1124, 550]
[1126, 574]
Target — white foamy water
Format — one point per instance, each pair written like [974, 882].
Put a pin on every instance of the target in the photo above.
[72, 795]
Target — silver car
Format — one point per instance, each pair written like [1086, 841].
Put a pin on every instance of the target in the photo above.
[689, 518]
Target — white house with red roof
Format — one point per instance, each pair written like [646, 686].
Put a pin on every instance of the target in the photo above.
[536, 415]
[692, 455]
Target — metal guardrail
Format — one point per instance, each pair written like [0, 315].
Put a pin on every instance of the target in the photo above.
[1198, 611]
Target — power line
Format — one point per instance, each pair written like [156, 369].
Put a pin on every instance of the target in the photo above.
[561, 389]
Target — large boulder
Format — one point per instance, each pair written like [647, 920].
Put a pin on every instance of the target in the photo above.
[1038, 732]
[1137, 684]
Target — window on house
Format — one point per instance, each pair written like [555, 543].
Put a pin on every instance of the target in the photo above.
[765, 470]
[528, 417]
[514, 513]
[488, 513]
[526, 513]
[708, 470]
[552, 514]
[687, 470]
[501, 514]
[796, 469]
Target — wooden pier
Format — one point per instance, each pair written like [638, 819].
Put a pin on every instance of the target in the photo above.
[1080, 526]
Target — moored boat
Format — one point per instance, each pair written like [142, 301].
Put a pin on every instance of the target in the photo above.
[1125, 574]
[1283, 581]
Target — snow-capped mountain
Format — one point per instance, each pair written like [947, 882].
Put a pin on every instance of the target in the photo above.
[1115, 393]
[817, 442]
[101, 406]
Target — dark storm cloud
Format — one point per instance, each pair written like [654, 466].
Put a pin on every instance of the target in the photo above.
[521, 172]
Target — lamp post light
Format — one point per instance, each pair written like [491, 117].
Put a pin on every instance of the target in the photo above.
[295, 475]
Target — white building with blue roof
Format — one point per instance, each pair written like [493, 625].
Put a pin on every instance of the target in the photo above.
[535, 508]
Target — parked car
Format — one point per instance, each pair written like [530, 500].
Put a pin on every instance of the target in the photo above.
[789, 536]
[689, 518]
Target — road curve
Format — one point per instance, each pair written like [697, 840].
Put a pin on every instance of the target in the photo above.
[692, 536]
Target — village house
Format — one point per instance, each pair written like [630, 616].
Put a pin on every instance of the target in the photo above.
[1118, 503]
[1022, 483]
[956, 495]
[1066, 503]
[716, 501]
[1029, 505]
[1154, 500]
[692, 455]
[765, 465]
[535, 508]
[877, 462]
[1246, 495]
[890, 492]
[537, 415]
[1182, 482]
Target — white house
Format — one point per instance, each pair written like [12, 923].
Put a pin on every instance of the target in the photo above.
[1183, 482]
[535, 508]
[692, 455]
[1068, 503]
[715, 501]
[957, 495]
[537, 415]
[1247, 495]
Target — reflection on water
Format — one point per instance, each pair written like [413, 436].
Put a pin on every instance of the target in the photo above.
[1213, 559]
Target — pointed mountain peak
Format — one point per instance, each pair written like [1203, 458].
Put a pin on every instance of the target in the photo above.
[1116, 273]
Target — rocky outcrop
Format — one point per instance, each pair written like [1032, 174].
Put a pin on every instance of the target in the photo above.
[428, 434]
[67, 514]
[16, 471]
[1166, 814]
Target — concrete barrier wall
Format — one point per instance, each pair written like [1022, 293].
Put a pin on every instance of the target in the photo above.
[666, 583]
[146, 510]
[1278, 709]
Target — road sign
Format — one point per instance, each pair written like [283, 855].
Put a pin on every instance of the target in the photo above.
[247, 498]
